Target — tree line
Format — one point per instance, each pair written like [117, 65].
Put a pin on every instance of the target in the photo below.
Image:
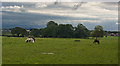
[53, 30]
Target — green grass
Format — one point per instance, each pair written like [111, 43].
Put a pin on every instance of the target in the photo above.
[67, 51]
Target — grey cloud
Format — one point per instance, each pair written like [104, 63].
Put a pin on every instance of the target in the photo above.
[79, 4]
[39, 20]
[26, 4]
[34, 20]
[110, 5]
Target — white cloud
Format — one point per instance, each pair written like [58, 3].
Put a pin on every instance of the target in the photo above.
[117, 23]
[62, 13]
[98, 11]
[60, 0]
[40, 5]
[92, 21]
[108, 19]
[13, 8]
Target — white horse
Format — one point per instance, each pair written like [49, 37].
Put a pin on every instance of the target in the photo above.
[30, 39]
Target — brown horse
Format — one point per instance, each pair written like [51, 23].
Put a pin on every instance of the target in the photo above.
[96, 41]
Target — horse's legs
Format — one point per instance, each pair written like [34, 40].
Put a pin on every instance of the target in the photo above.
[98, 42]
[33, 41]
[94, 42]
[26, 41]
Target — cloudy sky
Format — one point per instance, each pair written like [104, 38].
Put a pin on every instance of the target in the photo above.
[37, 14]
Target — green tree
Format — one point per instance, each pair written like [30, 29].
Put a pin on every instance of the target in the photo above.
[35, 32]
[51, 23]
[81, 31]
[65, 31]
[50, 30]
[19, 31]
[98, 31]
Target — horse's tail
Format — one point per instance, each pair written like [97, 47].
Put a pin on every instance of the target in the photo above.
[34, 39]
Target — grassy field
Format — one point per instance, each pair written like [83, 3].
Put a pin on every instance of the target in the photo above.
[59, 51]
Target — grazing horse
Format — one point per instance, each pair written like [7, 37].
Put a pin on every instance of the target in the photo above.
[30, 39]
[96, 40]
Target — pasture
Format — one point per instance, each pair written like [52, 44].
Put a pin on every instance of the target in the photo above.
[59, 51]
